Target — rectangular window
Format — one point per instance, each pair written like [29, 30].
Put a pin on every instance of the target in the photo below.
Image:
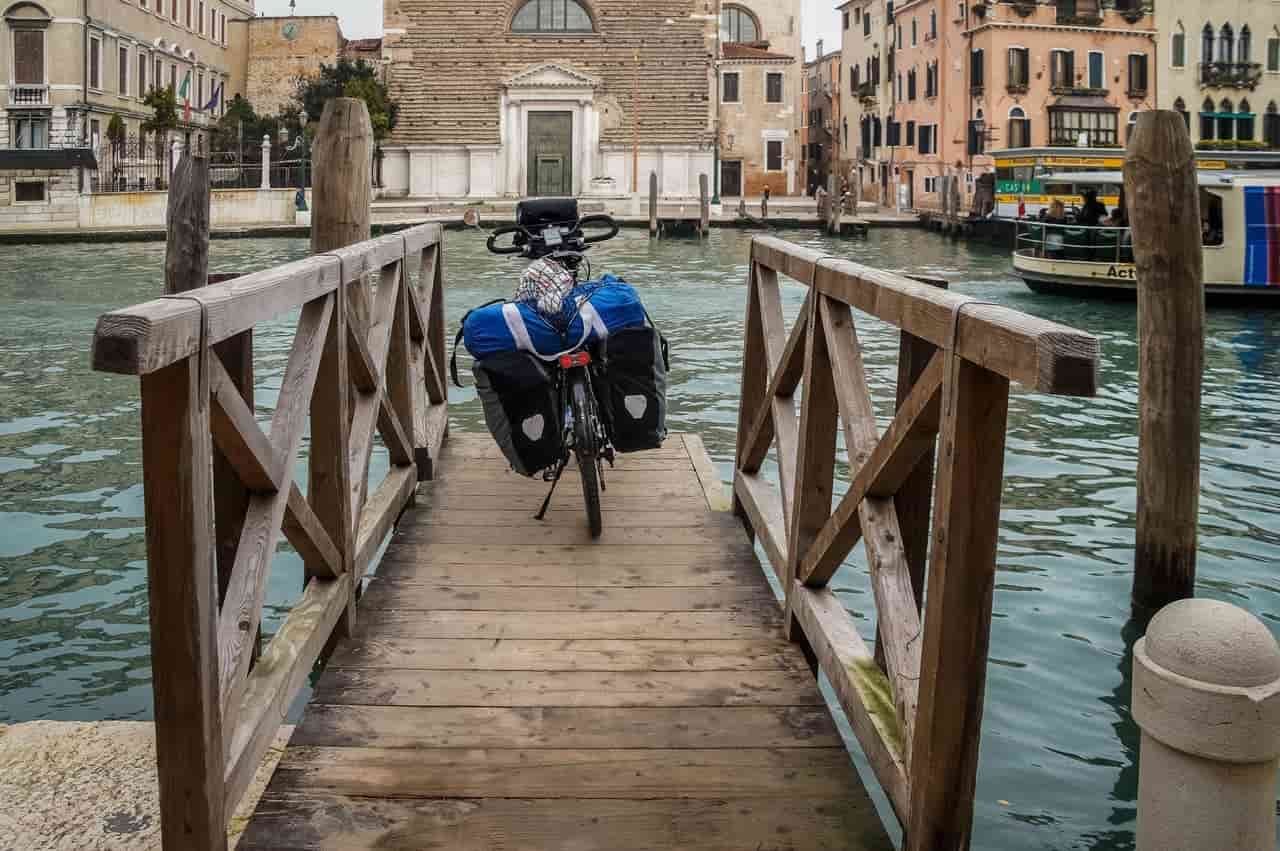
[143, 62]
[1068, 126]
[1271, 129]
[1273, 54]
[846, 20]
[28, 132]
[866, 25]
[123, 69]
[222, 22]
[911, 84]
[730, 87]
[773, 88]
[200, 16]
[28, 192]
[774, 155]
[1244, 128]
[931, 184]
[913, 32]
[173, 77]
[1178, 50]
[95, 63]
[186, 18]
[28, 57]
[1137, 74]
[911, 134]
[173, 10]
[1096, 70]
[976, 72]
[1019, 69]
[1020, 133]
[1062, 73]
[977, 138]
[200, 91]
[158, 80]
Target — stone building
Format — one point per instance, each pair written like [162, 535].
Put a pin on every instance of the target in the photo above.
[70, 65]
[826, 132]
[548, 97]
[283, 50]
[866, 96]
[1222, 71]
[970, 77]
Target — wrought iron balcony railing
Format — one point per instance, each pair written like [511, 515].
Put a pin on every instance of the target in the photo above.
[1232, 75]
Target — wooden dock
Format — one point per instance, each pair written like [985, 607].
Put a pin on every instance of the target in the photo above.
[513, 683]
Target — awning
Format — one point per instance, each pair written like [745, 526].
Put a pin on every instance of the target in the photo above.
[1094, 102]
[1228, 115]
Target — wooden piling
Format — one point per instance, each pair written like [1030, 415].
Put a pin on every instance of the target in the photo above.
[834, 203]
[704, 205]
[186, 254]
[1164, 214]
[341, 189]
[653, 203]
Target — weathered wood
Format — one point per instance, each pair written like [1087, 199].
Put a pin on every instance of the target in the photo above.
[785, 378]
[529, 538]
[576, 625]
[186, 256]
[381, 513]
[653, 203]
[343, 184]
[282, 670]
[367, 407]
[646, 773]
[860, 686]
[564, 566]
[762, 506]
[957, 623]
[240, 441]
[835, 206]
[1164, 209]
[704, 206]
[1042, 355]
[309, 537]
[182, 583]
[419, 597]
[713, 488]
[570, 728]
[321, 819]
[753, 400]
[396, 687]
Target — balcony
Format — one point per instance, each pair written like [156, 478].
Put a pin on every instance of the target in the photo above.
[1078, 91]
[24, 94]
[867, 93]
[1230, 75]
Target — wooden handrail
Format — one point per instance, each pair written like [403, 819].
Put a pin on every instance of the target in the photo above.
[916, 704]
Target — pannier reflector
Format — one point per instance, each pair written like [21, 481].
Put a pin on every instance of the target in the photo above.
[533, 426]
[636, 406]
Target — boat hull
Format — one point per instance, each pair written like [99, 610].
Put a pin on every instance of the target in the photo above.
[1117, 281]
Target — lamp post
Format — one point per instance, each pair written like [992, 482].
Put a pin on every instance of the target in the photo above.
[715, 69]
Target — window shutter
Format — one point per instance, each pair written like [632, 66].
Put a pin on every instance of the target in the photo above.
[28, 57]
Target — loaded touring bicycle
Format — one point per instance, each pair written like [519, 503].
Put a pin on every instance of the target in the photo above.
[570, 371]
[1240, 236]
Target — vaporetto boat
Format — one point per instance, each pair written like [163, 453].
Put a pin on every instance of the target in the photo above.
[1240, 237]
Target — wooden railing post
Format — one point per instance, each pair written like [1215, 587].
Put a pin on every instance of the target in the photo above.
[182, 586]
[341, 216]
[755, 378]
[1164, 209]
[957, 623]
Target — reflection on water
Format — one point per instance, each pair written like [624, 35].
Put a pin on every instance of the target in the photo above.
[1058, 749]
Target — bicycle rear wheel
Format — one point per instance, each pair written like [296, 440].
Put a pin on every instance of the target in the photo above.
[586, 452]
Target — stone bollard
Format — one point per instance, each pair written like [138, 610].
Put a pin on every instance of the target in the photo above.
[1206, 694]
[266, 162]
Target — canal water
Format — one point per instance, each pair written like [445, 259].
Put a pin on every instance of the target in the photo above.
[1058, 749]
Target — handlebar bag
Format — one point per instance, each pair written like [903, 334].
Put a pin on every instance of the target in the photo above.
[521, 409]
[632, 388]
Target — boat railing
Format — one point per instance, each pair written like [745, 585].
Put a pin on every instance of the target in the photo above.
[1065, 241]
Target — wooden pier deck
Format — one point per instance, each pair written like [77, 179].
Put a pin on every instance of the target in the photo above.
[513, 684]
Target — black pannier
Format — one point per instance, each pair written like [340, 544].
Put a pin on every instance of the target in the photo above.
[521, 409]
[632, 389]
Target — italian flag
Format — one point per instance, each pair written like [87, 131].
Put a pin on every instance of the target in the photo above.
[185, 93]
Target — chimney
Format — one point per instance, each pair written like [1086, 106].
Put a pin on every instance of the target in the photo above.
[819, 56]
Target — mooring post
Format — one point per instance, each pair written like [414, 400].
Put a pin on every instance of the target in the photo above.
[704, 205]
[834, 204]
[341, 195]
[653, 203]
[1164, 214]
[186, 253]
[1206, 693]
[265, 182]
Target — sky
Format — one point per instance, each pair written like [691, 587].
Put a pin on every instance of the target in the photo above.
[363, 18]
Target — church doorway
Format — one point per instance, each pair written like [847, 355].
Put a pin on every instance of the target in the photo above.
[550, 153]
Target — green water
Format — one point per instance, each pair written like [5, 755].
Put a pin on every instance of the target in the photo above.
[1058, 749]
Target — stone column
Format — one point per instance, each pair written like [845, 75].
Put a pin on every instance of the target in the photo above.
[1206, 693]
[266, 162]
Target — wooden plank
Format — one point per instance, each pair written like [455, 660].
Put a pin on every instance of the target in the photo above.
[367, 407]
[275, 680]
[786, 424]
[181, 582]
[438, 498]
[559, 655]
[382, 511]
[429, 441]
[394, 437]
[762, 506]
[410, 597]
[815, 465]
[757, 623]
[242, 611]
[647, 483]
[566, 727]
[523, 537]
[957, 623]
[323, 820]
[397, 687]
[237, 434]
[784, 378]
[462, 564]
[565, 517]
[860, 687]
[365, 374]
[756, 374]
[817, 773]
[909, 437]
[1043, 355]
[308, 536]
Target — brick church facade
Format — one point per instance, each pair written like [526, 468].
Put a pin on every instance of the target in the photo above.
[549, 97]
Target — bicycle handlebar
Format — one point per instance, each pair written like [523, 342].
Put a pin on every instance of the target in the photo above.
[600, 219]
[531, 237]
[501, 232]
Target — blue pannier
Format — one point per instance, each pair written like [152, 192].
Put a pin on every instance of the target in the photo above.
[607, 306]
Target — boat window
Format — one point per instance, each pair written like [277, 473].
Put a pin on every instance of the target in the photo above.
[1211, 227]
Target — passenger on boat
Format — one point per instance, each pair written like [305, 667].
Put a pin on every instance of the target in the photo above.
[1053, 236]
[1093, 209]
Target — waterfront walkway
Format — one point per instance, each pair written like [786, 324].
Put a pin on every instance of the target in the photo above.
[512, 683]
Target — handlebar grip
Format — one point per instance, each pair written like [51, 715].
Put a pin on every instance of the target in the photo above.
[501, 232]
[599, 219]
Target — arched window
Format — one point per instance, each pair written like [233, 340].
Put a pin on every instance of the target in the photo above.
[552, 16]
[1019, 128]
[1180, 107]
[1244, 122]
[1208, 126]
[1226, 120]
[1243, 46]
[1226, 44]
[1206, 43]
[1178, 47]
[1133, 122]
[739, 25]
[1271, 126]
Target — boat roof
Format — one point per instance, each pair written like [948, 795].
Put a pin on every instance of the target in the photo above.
[1204, 177]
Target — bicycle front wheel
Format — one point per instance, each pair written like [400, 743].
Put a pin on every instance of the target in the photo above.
[586, 452]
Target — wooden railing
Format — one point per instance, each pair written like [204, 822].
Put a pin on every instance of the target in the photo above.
[367, 357]
[916, 704]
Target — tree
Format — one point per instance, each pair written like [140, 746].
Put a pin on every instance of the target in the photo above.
[116, 132]
[164, 106]
[349, 79]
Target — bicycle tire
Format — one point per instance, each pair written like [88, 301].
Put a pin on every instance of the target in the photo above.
[585, 450]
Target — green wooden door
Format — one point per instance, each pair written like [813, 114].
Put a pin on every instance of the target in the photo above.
[550, 153]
